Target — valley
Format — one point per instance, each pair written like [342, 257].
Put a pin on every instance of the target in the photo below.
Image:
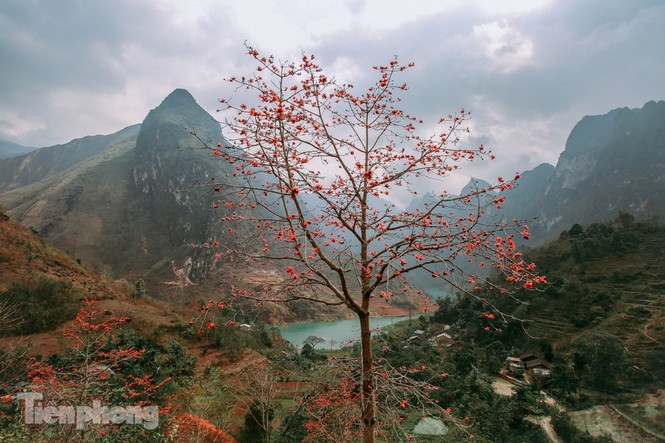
[134, 221]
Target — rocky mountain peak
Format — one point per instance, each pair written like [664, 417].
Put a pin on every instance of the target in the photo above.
[475, 185]
[167, 155]
[612, 162]
[178, 98]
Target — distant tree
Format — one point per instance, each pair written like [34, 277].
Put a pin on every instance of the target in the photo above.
[576, 230]
[13, 363]
[528, 401]
[493, 356]
[139, 289]
[563, 381]
[464, 361]
[548, 350]
[179, 360]
[307, 350]
[9, 314]
[310, 345]
[313, 340]
[604, 358]
[626, 220]
[313, 161]
[257, 394]
[257, 424]
[447, 311]
[293, 429]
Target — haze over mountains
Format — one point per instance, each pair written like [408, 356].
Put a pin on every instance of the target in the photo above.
[129, 201]
[9, 149]
[613, 162]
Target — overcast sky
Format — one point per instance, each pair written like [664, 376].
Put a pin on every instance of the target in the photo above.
[528, 70]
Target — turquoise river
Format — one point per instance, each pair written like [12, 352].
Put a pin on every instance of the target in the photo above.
[335, 333]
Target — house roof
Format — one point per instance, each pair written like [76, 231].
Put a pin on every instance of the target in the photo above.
[538, 363]
[444, 334]
[430, 426]
[527, 356]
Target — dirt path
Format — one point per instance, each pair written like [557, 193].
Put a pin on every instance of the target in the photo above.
[546, 424]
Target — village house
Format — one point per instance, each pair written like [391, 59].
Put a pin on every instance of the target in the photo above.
[529, 362]
[418, 336]
[457, 345]
[441, 339]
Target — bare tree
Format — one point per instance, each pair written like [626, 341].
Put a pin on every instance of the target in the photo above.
[9, 315]
[257, 393]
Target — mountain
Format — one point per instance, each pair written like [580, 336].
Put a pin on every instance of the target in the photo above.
[613, 162]
[42, 163]
[526, 196]
[127, 201]
[9, 149]
[135, 202]
[41, 289]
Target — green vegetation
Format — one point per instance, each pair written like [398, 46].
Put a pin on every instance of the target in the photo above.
[41, 305]
[139, 289]
[603, 306]
[599, 322]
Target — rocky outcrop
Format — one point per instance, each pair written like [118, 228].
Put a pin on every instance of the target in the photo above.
[613, 162]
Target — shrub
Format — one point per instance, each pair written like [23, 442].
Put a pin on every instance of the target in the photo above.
[42, 305]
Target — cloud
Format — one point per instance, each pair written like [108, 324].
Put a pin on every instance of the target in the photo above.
[15, 126]
[527, 70]
[503, 47]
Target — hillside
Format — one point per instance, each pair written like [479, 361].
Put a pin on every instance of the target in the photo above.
[608, 279]
[45, 162]
[127, 202]
[599, 324]
[142, 203]
[46, 286]
[605, 279]
[24, 254]
[613, 162]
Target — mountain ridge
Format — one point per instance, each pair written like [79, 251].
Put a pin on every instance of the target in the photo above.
[11, 149]
[42, 163]
[137, 204]
[130, 200]
[612, 162]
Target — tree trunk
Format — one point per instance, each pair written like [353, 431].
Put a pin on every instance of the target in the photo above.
[368, 397]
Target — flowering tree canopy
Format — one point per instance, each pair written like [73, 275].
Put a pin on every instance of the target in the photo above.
[315, 166]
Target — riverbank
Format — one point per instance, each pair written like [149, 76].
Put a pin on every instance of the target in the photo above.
[335, 334]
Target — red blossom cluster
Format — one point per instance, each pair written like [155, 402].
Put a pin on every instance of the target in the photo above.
[93, 367]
